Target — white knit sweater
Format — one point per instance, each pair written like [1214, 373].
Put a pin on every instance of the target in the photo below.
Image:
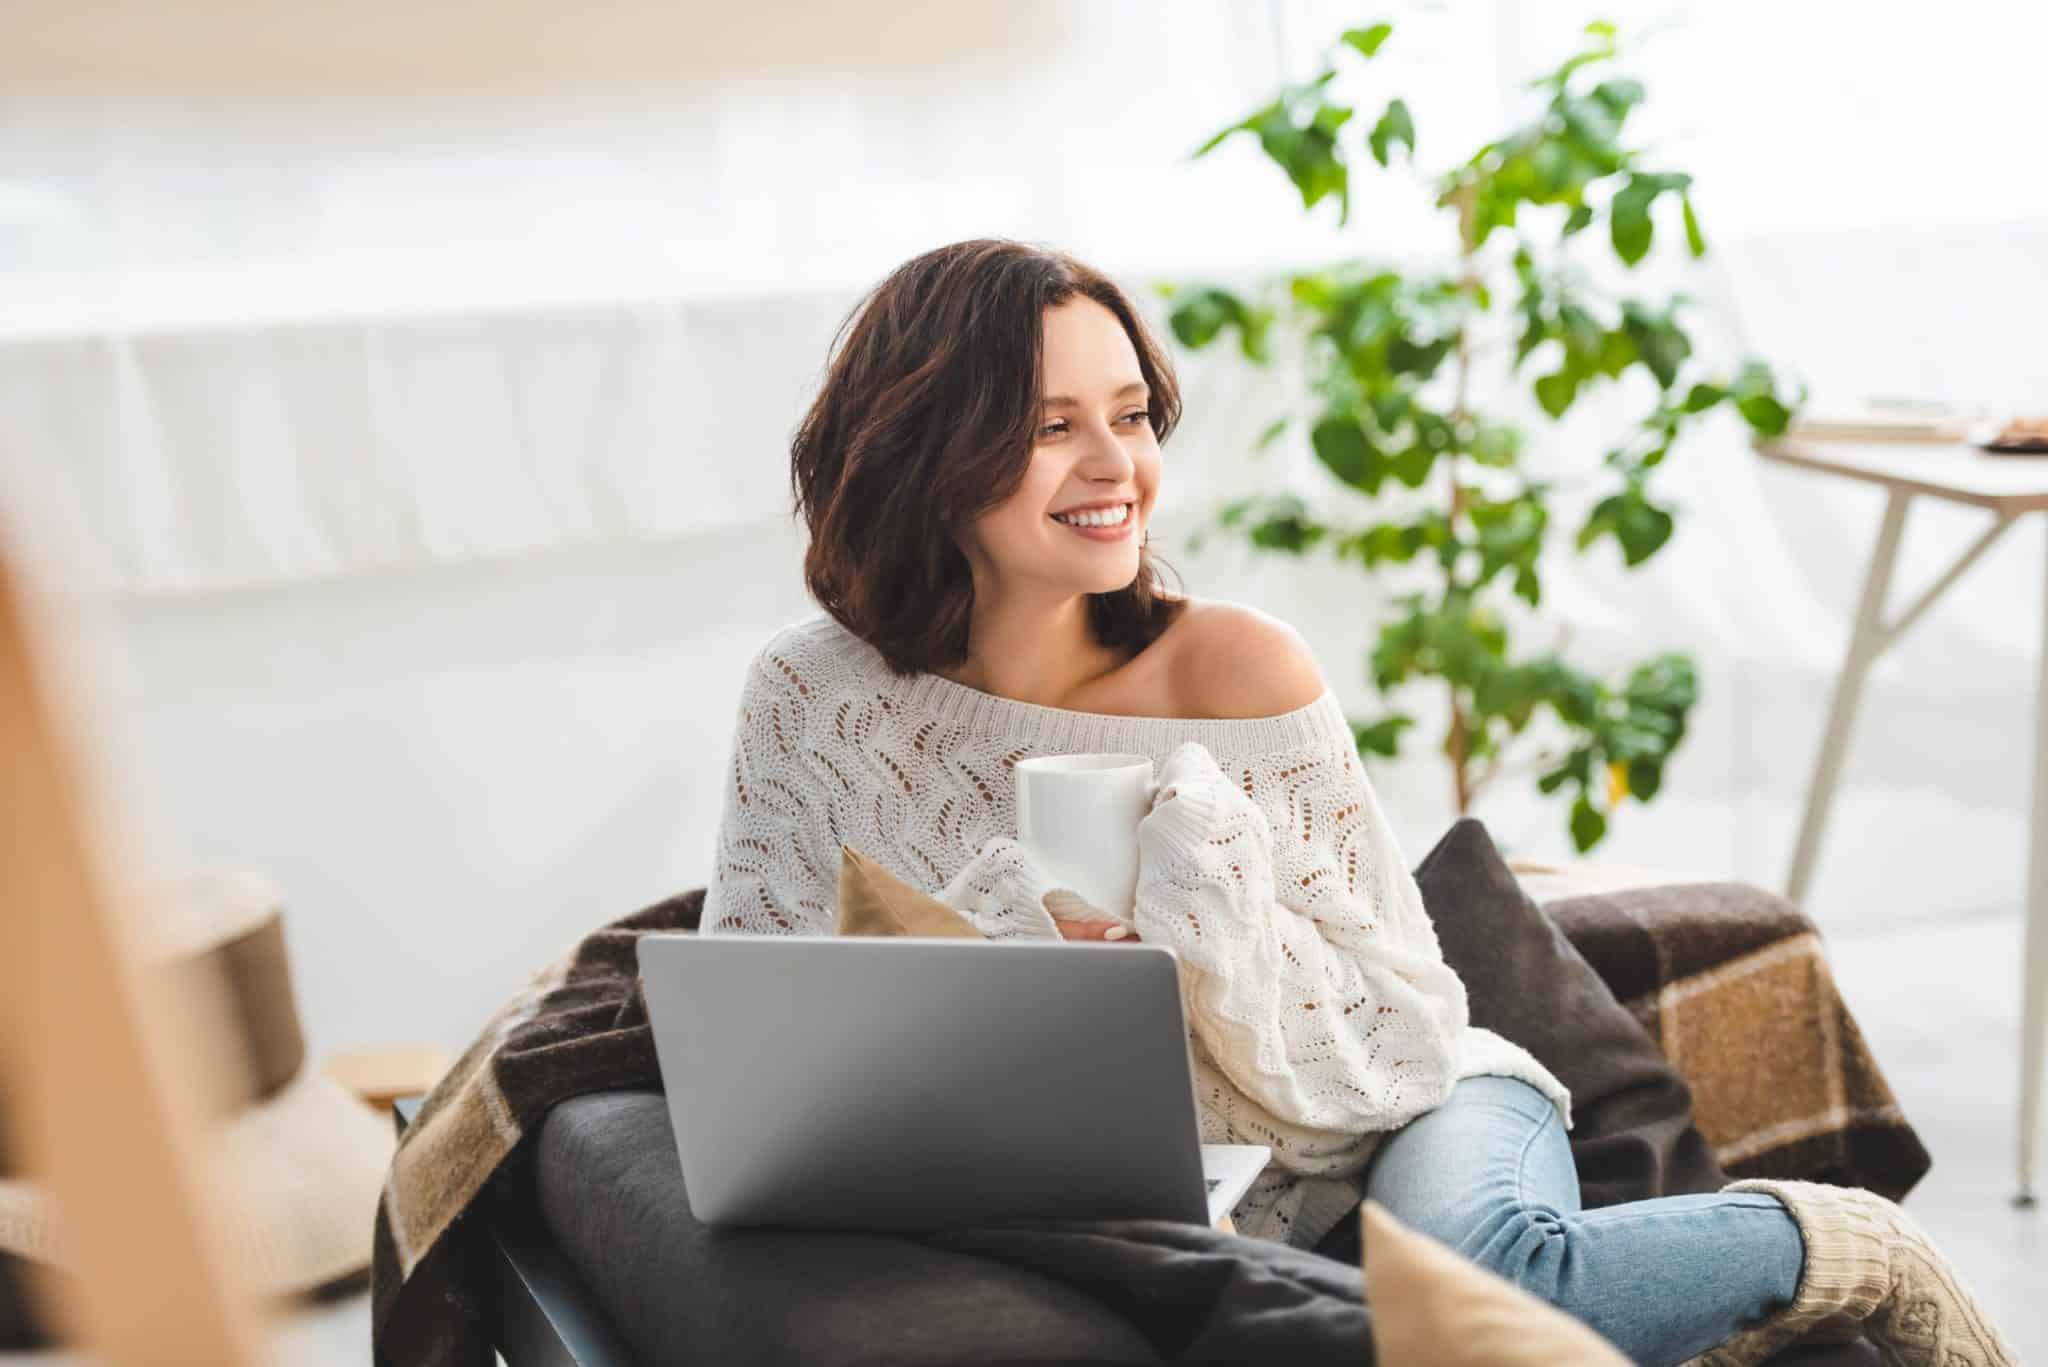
[1321, 1013]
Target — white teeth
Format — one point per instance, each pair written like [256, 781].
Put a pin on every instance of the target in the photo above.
[1105, 517]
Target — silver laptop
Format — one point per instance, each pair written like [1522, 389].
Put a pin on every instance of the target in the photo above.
[907, 1083]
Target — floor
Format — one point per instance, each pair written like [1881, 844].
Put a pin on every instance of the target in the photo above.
[1940, 1005]
[336, 1334]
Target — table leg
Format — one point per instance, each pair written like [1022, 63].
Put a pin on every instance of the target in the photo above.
[2034, 959]
[1865, 642]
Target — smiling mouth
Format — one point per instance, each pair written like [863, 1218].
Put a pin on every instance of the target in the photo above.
[1099, 519]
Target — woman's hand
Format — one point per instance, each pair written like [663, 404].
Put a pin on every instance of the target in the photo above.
[1077, 919]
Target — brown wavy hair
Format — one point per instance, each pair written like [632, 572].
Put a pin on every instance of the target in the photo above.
[926, 419]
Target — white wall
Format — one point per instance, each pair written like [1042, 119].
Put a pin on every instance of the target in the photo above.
[454, 772]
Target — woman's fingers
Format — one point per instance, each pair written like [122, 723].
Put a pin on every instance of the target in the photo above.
[1094, 930]
[1074, 929]
[1078, 918]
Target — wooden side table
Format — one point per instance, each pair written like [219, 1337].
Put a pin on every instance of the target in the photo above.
[381, 1075]
[2007, 487]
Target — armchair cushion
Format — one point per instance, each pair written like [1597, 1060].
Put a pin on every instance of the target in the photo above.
[611, 1190]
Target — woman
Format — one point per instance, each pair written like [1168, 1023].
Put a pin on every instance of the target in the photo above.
[978, 475]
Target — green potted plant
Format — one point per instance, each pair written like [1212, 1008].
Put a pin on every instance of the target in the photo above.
[1390, 362]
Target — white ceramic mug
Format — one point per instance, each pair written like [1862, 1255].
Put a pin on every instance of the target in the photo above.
[1078, 816]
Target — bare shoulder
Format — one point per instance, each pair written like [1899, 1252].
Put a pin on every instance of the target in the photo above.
[1229, 660]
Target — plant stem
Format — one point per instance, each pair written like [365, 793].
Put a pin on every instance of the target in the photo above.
[1458, 744]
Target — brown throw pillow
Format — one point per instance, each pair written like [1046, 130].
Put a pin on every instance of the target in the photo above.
[1432, 1308]
[874, 901]
[1632, 1134]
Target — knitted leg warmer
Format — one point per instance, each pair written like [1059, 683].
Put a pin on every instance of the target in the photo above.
[1869, 1267]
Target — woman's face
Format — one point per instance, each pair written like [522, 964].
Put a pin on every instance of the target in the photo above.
[1094, 446]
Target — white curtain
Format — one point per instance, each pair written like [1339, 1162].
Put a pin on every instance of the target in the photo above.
[263, 341]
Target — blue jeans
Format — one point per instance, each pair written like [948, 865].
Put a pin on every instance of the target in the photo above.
[1490, 1173]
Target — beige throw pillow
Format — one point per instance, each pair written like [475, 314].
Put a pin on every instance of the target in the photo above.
[874, 901]
[1432, 1308]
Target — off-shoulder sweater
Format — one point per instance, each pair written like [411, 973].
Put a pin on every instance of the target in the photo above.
[1321, 1013]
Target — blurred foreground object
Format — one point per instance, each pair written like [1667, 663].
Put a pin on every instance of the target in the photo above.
[1952, 472]
[298, 1160]
[302, 49]
[97, 1089]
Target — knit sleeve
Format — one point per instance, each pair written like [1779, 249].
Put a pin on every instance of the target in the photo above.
[1004, 893]
[1317, 1000]
[775, 868]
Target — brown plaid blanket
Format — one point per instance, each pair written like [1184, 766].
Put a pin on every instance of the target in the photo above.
[1729, 980]
[1734, 986]
[580, 1026]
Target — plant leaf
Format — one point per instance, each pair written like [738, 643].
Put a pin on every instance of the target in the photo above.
[1701, 397]
[1765, 414]
[1382, 737]
[1199, 315]
[1242, 126]
[1645, 777]
[1495, 444]
[1281, 523]
[1341, 445]
[1755, 391]
[1411, 466]
[1619, 95]
[1396, 125]
[1628, 219]
[1367, 40]
[1659, 341]
[1588, 825]
[1555, 392]
[1637, 525]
